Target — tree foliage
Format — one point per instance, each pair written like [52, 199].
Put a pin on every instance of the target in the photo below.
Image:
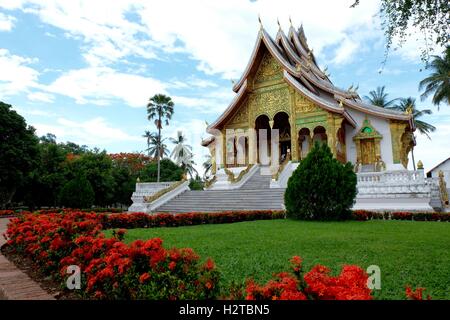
[409, 105]
[321, 188]
[77, 193]
[401, 18]
[379, 97]
[169, 172]
[18, 152]
[438, 82]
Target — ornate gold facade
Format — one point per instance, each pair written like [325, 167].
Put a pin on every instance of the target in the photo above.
[367, 142]
[269, 95]
[402, 141]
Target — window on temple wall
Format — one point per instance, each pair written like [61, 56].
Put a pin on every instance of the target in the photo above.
[367, 130]
[304, 141]
[320, 135]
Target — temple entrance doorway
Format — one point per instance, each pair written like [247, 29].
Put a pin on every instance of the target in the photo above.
[281, 122]
[263, 139]
[367, 151]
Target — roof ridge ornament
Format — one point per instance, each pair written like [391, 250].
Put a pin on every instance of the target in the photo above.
[260, 22]
[279, 25]
[290, 21]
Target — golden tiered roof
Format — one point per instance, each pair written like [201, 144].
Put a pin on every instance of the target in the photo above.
[301, 71]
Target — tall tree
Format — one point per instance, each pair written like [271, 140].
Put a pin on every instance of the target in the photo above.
[379, 98]
[401, 18]
[159, 108]
[438, 82]
[409, 105]
[18, 152]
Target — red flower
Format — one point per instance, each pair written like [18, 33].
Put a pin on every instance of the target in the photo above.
[209, 264]
[144, 277]
[417, 294]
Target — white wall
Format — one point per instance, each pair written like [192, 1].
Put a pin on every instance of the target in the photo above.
[445, 167]
[382, 126]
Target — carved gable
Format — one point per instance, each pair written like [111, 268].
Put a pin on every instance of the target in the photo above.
[241, 115]
[303, 105]
[269, 70]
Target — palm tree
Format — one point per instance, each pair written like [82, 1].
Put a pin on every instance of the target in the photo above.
[160, 107]
[439, 80]
[182, 150]
[182, 153]
[153, 147]
[148, 135]
[188, 166]
[379, 98]
[207, 165]
[409, 105]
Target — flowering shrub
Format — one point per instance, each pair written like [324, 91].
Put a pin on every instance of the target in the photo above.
[110, 268]
[143, 220]
[317, 284]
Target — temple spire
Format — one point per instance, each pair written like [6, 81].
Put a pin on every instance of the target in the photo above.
[279, 25]
[260, 22]
[290, 21]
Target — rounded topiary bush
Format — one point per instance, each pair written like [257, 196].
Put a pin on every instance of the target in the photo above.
[77, 193]
[321, 188]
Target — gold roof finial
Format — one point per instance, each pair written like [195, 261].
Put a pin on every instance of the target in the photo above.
[279, 25]
[260, 22]
[290, 21]
[420, 164]
[409, 110]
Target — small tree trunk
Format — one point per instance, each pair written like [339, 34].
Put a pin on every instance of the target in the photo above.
[412, 156]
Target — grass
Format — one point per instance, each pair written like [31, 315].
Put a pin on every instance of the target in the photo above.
[407, 252]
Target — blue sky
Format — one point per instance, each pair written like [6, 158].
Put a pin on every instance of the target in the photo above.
[84, 70]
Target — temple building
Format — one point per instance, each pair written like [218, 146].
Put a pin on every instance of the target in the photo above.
[283, 88]
[284, 103]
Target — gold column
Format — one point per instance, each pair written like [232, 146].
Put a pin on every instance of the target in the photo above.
[292, 121]
[331, 136]
[358, 150]
[334, 123]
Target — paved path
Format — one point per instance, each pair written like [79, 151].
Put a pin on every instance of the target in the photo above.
[15, 284]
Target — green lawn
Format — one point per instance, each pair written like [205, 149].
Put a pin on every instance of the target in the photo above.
[416, 253]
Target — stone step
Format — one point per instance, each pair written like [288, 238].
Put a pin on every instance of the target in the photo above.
[254, 194]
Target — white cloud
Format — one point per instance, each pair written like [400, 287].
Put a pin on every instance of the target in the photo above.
[16, 75]
[201, 105]
[34, 112]
[345, 51]
[98, 85]
[93, 132]
[218, 34]
[6, 22]
[41, 97]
